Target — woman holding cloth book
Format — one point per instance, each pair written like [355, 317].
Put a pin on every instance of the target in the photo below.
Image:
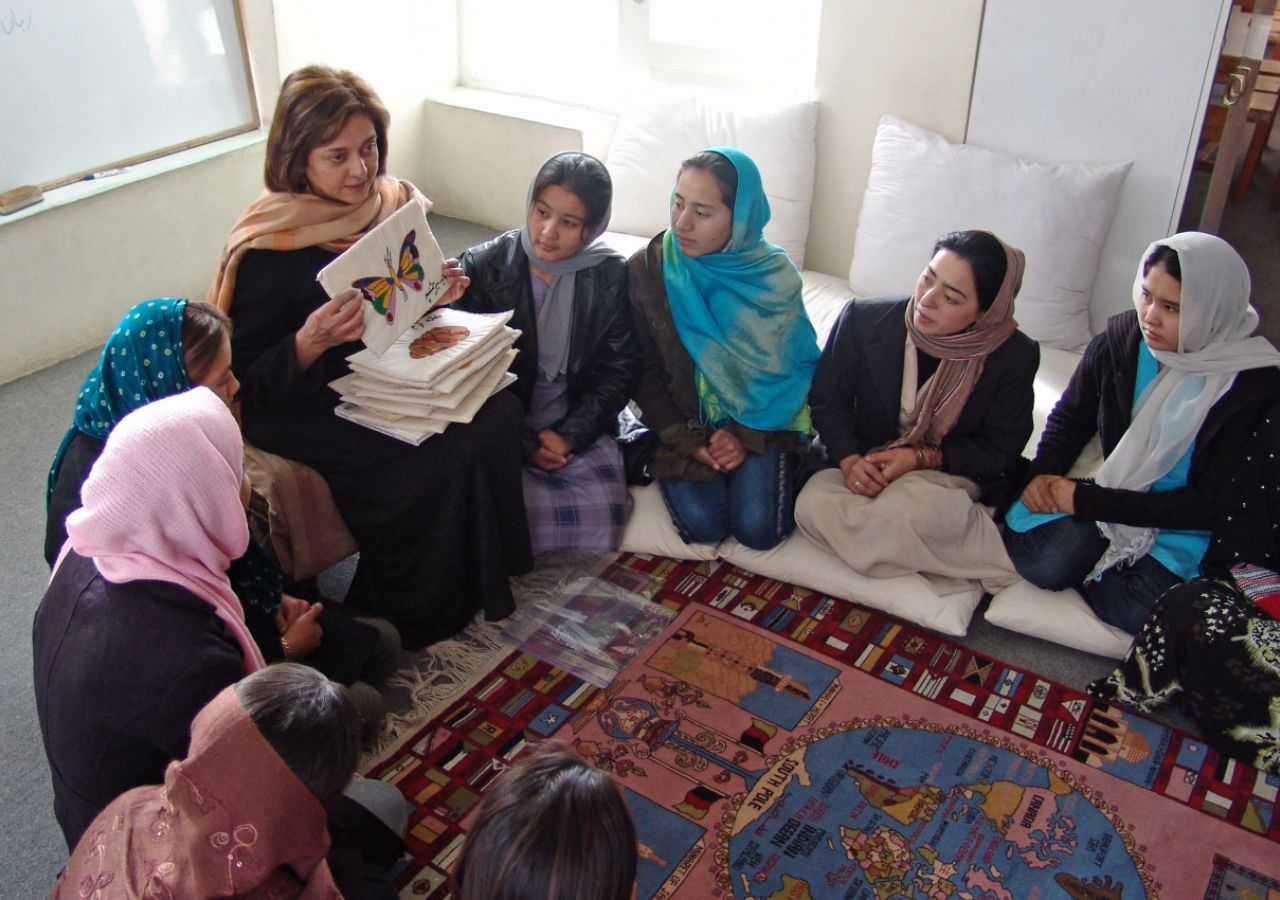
[440, 526]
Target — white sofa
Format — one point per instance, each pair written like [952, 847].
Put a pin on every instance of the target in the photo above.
[667, 126]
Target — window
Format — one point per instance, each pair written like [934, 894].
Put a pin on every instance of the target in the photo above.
[563, 50]
[588, 51]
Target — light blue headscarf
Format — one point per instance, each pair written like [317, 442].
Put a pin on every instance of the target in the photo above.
[739, 314]
[141, 362]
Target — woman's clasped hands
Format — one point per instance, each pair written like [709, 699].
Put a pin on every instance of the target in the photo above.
[300, 633]
[723, 452]
[1050, 494]
[869, 475]
[555, 452]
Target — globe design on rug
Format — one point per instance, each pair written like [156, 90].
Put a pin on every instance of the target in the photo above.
[874, 813]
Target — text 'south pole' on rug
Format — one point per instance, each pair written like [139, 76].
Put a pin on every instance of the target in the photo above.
[774, 743]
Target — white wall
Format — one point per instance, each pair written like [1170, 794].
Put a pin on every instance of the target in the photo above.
[1095, 81]
[484, 149]
[67, 273]
[403, 48]
[162, 236]
[911, 58]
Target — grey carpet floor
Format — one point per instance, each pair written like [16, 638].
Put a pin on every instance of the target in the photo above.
[36, 410]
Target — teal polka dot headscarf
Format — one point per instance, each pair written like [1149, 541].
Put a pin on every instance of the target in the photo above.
[141, 362]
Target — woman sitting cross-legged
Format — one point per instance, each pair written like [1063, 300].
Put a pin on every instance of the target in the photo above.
[1214, 643]
[163, 347]
[578, 362]
[728, 354]
[924, 403]
[440, 526]
[1174, 388]
[244, 813]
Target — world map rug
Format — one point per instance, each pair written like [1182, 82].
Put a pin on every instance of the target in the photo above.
[775, 743]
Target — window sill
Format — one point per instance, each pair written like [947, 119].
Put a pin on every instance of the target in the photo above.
[79, 190]
[529, 109]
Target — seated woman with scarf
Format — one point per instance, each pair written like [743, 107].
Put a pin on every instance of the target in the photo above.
[924, 404]
[728, 353]
[1213, 644]
[440, 526]
[139, 627]
[163, 347]
[1174, 387]
[244, 814]
[578, 362]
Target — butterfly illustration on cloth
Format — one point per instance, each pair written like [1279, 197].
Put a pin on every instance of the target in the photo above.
[381, 291]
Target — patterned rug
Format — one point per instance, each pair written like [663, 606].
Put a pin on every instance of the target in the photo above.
[777, 743]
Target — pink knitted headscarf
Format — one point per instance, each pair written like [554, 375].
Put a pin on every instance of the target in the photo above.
[162, 503]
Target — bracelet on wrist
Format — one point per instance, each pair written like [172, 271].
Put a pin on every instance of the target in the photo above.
[288, 651]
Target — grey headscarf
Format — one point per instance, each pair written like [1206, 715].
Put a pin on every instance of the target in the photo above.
[555, 320]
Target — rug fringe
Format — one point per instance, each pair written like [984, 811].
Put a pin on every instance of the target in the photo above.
[451, 667]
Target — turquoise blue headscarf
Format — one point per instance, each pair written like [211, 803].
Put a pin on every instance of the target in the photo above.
[141, 362]
[739, 314]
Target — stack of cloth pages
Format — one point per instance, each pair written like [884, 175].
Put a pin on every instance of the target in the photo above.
[440, 371]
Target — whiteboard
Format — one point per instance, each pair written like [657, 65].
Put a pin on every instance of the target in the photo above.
[1096, 81]
[91, 84]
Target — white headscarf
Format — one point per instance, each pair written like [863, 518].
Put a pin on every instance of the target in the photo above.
[1214, 343]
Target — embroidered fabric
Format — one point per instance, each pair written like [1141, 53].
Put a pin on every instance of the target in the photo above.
[230, 820]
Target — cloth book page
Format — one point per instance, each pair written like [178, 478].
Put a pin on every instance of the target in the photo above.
[435, 345]
[398, 270]
[399, 404]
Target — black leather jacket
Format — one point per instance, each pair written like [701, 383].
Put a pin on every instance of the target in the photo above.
[604, 358]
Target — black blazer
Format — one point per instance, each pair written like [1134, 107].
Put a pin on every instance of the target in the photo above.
[604, 358]
[857, 393]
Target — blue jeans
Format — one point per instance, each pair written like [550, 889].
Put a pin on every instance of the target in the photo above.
[755, 503]
[1061, 554]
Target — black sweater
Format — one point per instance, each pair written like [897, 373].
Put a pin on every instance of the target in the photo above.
[1099, 400]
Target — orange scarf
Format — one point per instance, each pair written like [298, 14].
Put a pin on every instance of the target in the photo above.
[279, 221]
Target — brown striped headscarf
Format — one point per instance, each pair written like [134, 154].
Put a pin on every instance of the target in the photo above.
[963, 355]
[286, 221]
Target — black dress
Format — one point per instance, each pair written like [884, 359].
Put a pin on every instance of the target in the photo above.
[440, 526]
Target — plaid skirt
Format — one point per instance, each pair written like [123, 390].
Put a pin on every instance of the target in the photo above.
[582, 506]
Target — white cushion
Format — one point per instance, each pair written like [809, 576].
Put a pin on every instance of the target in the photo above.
[665, 124]
[798, 560]
[626, 244]
[1056, 368]
[922, 186]
[649, 530]
[824, 297]
[1058, 616]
